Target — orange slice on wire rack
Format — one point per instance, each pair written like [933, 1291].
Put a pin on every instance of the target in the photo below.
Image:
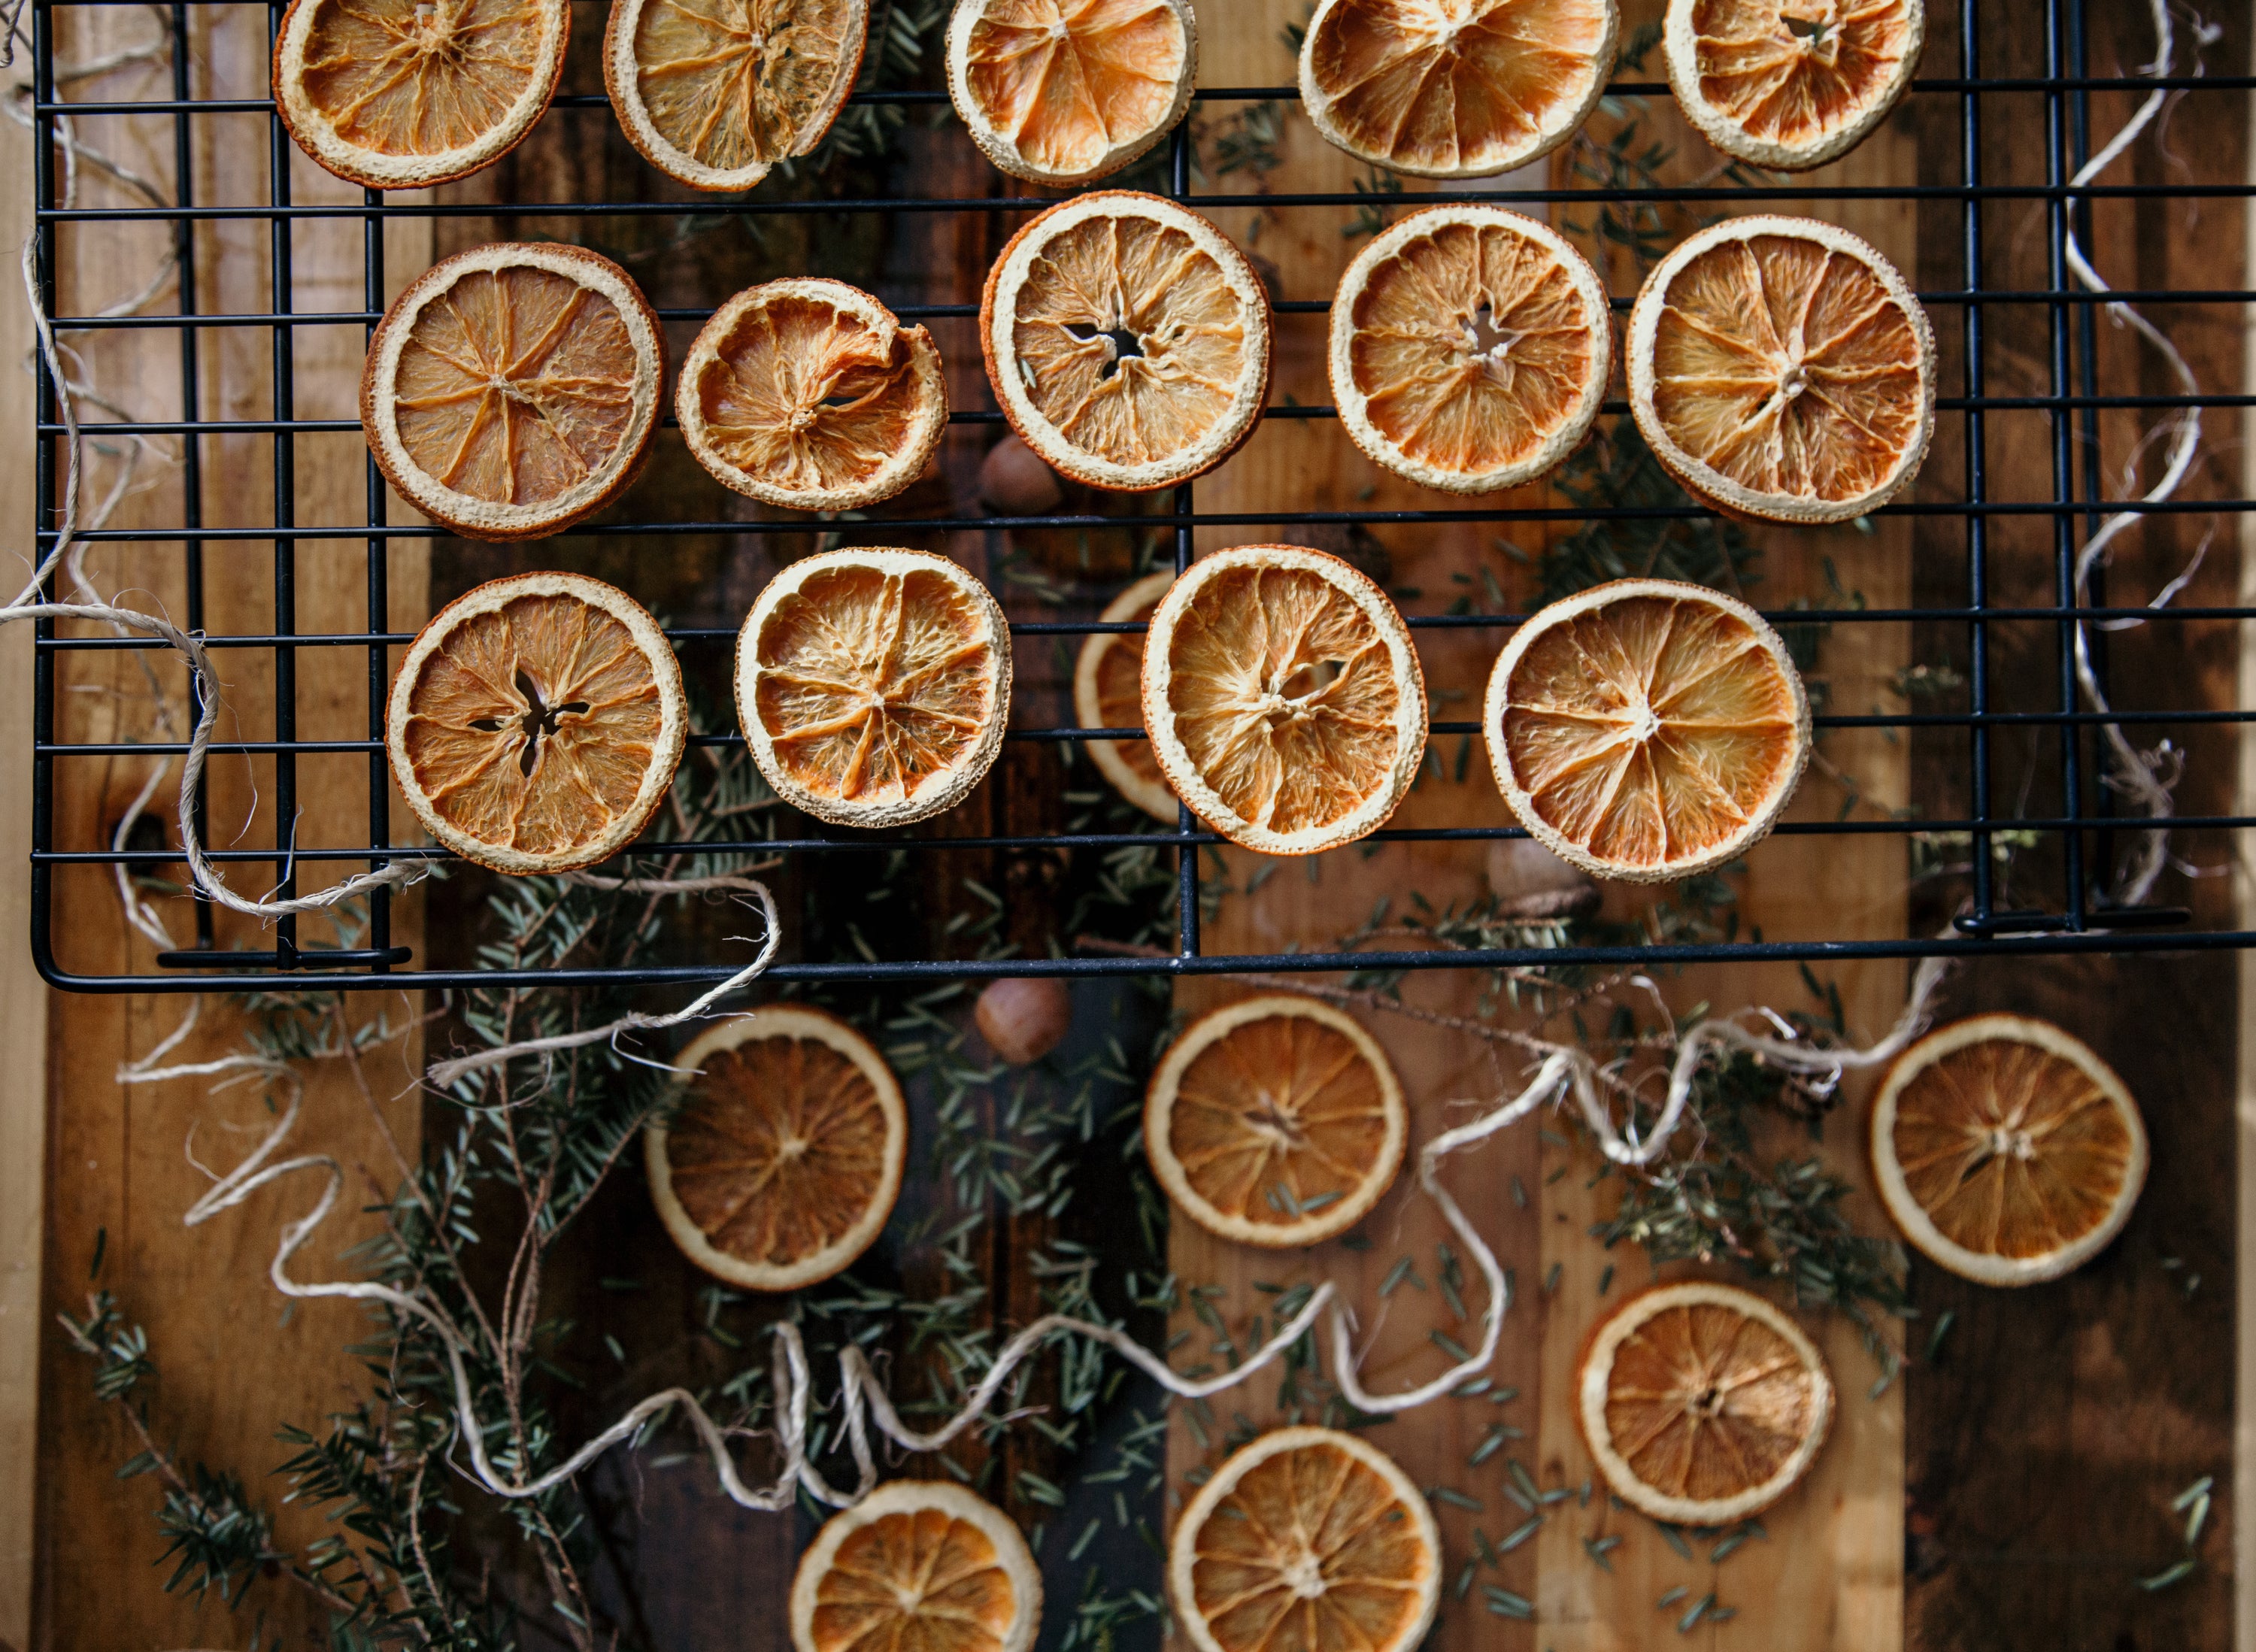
[1108, 693]
[917, 1566]
[535, 723]
[2006, 1150]
[406, 94]
[1469, 349]
[874, 684]
[513, 390]
[1127, 341]
[810, 394]
[1790, 84]
[1275, 1121]
[1066, 91]
[1780, 369]
[1455, 88]
[1701, 1403]
[1283, 698]
[1647, 730]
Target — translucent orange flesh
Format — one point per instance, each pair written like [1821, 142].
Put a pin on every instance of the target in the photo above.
[1068, 81]
[1474, 346]
[873, 685]
[1120, 699]
[1277, 1120]
[1151, 283]
[1311, 1552]
[1707, 1403]
[1284, 696]
[531, 727]
[1786, 367]
[515, 385]
[2010, 1149]
[1650, 730]
[921, 1582]
[1454, 84]
[735, 83]
[1795, 73]
[421, 77]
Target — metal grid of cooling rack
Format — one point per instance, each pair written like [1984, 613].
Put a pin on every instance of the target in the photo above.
[2072, 404]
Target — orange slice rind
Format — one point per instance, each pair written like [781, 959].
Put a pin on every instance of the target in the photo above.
[1790, 84]
[1108, 693]
[923, 1564]
[1065, 92]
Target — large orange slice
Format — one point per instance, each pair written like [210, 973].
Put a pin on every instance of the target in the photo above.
[1066, 91]
[1108, 693]
[2006, 1150]
[1791, 84]
[535, 723]
[917, 1566]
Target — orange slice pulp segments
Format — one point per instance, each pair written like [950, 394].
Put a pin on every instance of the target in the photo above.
[1108, 685]
[917, 1566]
[1791, 83]
[1063, 91]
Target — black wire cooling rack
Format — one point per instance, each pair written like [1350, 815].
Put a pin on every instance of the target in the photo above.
[2072, 404]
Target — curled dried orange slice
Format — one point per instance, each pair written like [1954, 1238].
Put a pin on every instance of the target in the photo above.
[1127, 341]
[1780, 368]
[1108, 693]
[917, 1566]
[808, 394]
[1455, 88]
[1791, 84]
[2006, 1150]
[1469, 349]
[716, 92]
[513, 389]
[1283, 698]
[403, 93]
[535, 723]
[874, 684]
[1309, 1539]
[1703, 1404]
[1065, 91]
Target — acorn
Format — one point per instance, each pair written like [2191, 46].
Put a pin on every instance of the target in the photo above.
[1014, 481]
[1023, 1018]
[1529, 882]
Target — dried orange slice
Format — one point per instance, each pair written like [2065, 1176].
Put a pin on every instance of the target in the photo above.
[1791, 84]
[917, 1566]
[874, 684]
[2006, 1150]
[781, 1157]
[1127, 341]
[1780, 368]
[1647, 730]
[513, 389]
[1284, 699]
[535, 723]
[404, 93]
[1455, 88]
[1275, 1121]
[716, 92]
[1065, 91]
[1469, 349]
[1701, 1404]
[1108, 693]
[1309, 1539]
[808, 394]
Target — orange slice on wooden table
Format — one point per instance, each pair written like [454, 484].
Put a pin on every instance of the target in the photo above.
[513, 390]
[1127, 341]
[1455, 88]
[405, 94]
[1469, 349]
[781, 1158]
[1309, 1539]
[917, 1566]
[874, 684]
[1791, 84]
[1780, 369]
[810, 394]
[1283, 698]
[1701, 1403]
[535, 723]
[1065, 91]
[1647, 730]
[716, 92]
[2006, 1150]
[1275, 1121]
[1108, 693]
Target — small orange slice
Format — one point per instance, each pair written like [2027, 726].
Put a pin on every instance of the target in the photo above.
[1108, 693]
[1275, 1121]
[1791, 84]
[2006, 1150]
[1307, 1539]
[917, 1566]
[535, 723]
[1701, 1404]
[1066, 91]
[808, 394]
